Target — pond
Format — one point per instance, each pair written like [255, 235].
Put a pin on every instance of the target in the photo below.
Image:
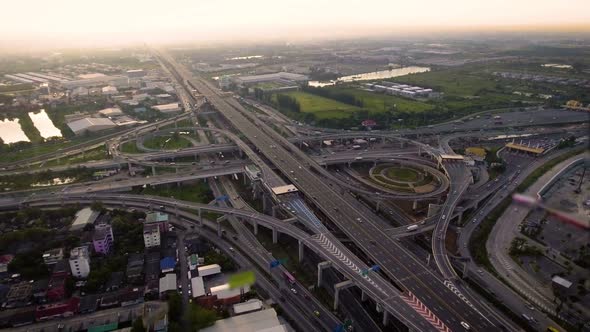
[44, 124]
[375, 75]
[11, 132]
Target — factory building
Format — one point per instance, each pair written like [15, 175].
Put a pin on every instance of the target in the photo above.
[82, 126]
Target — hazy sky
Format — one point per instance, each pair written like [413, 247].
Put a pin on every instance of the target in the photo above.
[62, 21]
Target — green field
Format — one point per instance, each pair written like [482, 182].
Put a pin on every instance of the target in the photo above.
[321, 107]
[95, 154]
[167, 142]
[191, 192]
[378, 102]
[402, 174]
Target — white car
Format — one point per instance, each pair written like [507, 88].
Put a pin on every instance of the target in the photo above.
[465, 326]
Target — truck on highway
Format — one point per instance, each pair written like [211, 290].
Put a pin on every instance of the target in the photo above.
[358, 158]
[412, 227]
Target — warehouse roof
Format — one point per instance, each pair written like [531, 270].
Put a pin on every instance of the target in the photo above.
[86, 123]
[84, 217]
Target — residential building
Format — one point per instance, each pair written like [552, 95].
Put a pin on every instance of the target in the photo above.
[80, 262]
[158, 218]
[135, 268]
[58, 310]
[53, 256]
[19, 294]
[103, 239]
[4, 261]
[248, 306]
[167, 264]
[151, 235]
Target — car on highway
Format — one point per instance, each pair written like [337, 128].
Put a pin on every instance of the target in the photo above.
[316, 313]
[466, 326]
[294, 291]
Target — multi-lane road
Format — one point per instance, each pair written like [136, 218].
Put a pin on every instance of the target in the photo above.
[403, 267]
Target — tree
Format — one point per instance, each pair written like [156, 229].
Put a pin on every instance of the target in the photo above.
[138, 325]
[97, 206]
[174, 307]
[200, 317]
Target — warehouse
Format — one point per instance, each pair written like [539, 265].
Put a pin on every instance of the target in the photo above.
[82, 126]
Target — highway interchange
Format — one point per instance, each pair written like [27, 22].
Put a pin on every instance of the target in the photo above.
[404, 278]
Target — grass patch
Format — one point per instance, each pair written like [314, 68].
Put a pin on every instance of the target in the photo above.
[194, 192]
[95, 154]
[322, 107]
[130, 147]
[378, 102]
[402, 174]
[167, 142]
[16, 88]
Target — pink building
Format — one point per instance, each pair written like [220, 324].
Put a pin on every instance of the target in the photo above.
[103, 239]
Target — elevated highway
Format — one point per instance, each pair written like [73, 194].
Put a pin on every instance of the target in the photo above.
[401, 266]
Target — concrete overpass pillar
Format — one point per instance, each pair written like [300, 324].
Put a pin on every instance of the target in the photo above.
[415, 205]
[460, 217]
[337, 288]
[363, 296]
[153, 170]
[378, 307]
[175, 123]
[255, 225]
[321, 267]
[385, 317]
[275, 235]
[465, 269]
[301, 251]
[200, 218]
[378, 206]
[265, 202]
[274, 211]
[219, 220]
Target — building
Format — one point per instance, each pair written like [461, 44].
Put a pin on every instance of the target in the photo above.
[198, 287]
[109, 90]
[281, 76]
[110, 112]
[79, 92]
[264, 320]
[84, 217]
[135, 73]
[158, 218]
[103, 239]
[168, 108]
[56, 288]
[135, 268]
[57, 310]
[167, 283]
[82, 126]
[209, 270]
[228, 295]
[248, 306]
[40, 288]
[19, 294]
[4, 262]
[151, 235]
[167, 264]
[115, 281]
[53, 256]
[96, 79]
[80, 262]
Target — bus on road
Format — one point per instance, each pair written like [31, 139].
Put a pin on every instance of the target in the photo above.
[290, 279]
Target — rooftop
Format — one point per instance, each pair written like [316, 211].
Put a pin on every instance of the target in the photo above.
[154, 217]
[266, 320]
[84, 216]
[79, 252]
[289, 188]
